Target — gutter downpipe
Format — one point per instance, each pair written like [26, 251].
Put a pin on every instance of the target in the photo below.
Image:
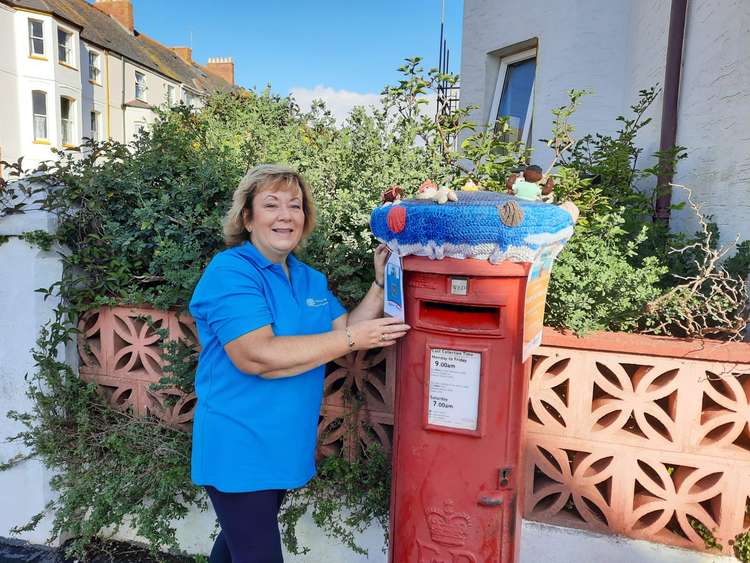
[671, 95]
[123, 106]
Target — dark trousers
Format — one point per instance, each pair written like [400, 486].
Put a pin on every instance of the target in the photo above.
[249, 526]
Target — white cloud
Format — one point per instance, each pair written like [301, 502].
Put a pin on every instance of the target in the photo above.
[342, 102]
[339, 102]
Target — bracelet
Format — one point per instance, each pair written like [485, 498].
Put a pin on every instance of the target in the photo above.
[379, 284]
[349, 338]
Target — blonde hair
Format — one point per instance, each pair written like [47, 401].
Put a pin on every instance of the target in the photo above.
[258, 179]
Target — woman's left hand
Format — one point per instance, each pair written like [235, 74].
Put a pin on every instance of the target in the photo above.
[380, 257]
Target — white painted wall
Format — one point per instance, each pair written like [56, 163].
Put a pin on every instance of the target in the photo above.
[24, 489]
[714, 114]
[490, 25]
[617, 49]
[540, 543]
[116, 96]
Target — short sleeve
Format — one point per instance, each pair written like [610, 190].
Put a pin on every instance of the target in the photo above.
[231, 301]
[335, 306]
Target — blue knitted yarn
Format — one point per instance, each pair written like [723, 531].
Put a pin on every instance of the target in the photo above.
[471, 228]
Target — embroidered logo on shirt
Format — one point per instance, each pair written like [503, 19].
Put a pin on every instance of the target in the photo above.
[310, 302]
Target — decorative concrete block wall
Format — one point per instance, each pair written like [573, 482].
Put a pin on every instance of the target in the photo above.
[640, 436]
[644, 437]
[120, 348]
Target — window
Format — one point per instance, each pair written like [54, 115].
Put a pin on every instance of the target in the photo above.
[65, 47]
[36, 38]
[95, 128]
[95, 69]
[140, 86]
[514, 95]
[171, 95]
[189, 99]
[39, 105]
[66, 121]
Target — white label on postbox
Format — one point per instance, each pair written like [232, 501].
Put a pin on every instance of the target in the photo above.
[459, 286]
[454, 388]
[393, 296]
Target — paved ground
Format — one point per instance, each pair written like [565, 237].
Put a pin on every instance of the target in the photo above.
[15, 551]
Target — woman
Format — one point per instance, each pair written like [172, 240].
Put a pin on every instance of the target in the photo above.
[267, 325]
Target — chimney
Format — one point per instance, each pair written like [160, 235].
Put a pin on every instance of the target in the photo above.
[223, 67]
[120, 10]
[185, 53]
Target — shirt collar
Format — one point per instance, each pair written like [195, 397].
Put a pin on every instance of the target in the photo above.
[249, 250]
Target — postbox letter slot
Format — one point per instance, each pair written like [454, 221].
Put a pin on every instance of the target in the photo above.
[459, 316]
[488, 500]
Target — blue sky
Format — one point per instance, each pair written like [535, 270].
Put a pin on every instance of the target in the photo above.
[333, 46]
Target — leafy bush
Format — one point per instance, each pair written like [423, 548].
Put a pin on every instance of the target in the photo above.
[622, 270]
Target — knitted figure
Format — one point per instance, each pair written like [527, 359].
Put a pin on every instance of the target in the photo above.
[470, 186]
[392, 194]
[530, 184]
[571, 208]
[440, 195]
[529, 191]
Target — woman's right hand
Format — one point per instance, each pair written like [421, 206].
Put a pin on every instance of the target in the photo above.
[377, 333]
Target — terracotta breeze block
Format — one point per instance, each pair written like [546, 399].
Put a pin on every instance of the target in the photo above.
[640, 436]
[645, 437]
[120, 349]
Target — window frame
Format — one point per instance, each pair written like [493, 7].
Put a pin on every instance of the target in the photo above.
[502, 73]
[32, 53]
[189, 97]
[144, 86]
[95, 118]
[71, 122]
[40, 140]
[97, 67]
[70, 48]
[171, 95]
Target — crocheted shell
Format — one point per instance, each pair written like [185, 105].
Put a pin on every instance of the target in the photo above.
[472, 228]
[396, 218]
[511, 214]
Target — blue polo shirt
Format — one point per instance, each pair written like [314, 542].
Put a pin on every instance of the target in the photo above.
[250, 433]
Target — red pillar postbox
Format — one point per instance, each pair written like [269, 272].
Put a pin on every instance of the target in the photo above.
[461, 392]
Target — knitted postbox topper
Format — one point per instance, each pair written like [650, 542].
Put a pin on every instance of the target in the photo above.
[482, 225]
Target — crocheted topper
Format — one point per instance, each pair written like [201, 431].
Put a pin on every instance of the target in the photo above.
[473, 227]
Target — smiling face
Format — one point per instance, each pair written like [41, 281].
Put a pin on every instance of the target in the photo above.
[276, 220]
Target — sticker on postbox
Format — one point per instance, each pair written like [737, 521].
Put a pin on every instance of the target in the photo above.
[536, 298]
[393, 298]
[454, 388]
